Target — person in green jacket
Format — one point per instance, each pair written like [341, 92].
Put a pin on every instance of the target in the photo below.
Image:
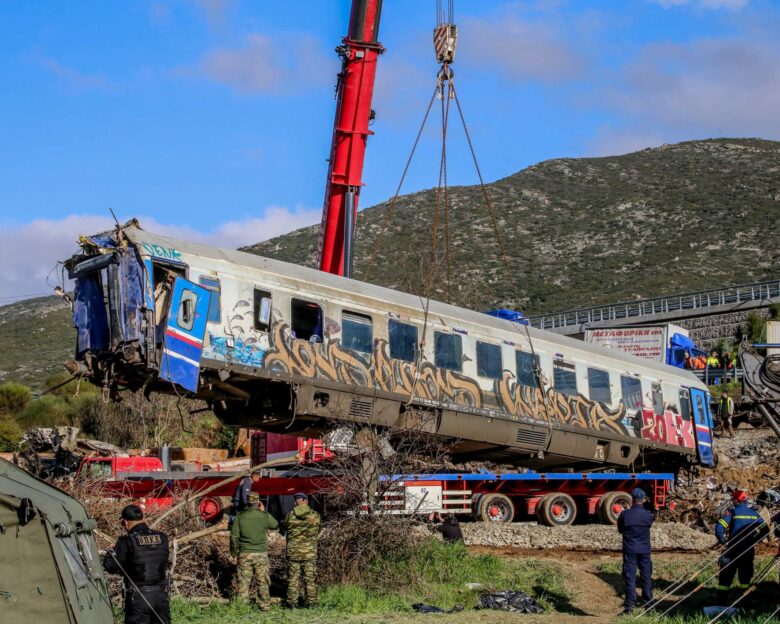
[303, 528]
[249, 545]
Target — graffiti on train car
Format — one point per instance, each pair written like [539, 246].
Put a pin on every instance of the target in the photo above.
[668, 428]
[277, 351]
[555, 407]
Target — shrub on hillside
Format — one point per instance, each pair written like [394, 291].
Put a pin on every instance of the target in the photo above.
[47, 411]
[14, 397]
[10, 435]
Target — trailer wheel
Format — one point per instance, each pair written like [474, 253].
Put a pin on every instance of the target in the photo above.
[210, 510]
[611, 505]
[556, 509]
[496, 508]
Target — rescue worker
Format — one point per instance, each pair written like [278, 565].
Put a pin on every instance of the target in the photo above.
[449, 527]
[303, 527]
[688, 361]
[240, 499]
[726, 413]
[701, 362]
[634, 524]
[141, 557]
[249, 549]
[740, 528]
[713, 361]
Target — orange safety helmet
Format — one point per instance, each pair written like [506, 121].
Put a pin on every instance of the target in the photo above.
[739, 496]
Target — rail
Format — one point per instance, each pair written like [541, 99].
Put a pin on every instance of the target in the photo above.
[732, 295]
[715, 376]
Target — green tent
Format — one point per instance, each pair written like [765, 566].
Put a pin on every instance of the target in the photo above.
[49, 565]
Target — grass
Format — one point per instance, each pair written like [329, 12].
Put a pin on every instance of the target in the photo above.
[442, 572]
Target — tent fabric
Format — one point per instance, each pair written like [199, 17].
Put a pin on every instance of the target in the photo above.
[49, 565]
[682, 342]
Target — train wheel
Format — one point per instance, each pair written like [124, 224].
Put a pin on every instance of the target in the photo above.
[496, 508]
[611, 505]
[210, 510]
[557, 509]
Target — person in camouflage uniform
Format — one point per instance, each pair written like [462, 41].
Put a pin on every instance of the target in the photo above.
[303, 527]
[249, 544]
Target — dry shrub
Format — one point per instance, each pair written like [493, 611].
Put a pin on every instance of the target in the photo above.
[354, 550]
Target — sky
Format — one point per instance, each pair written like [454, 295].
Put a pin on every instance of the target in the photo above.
[211, 119]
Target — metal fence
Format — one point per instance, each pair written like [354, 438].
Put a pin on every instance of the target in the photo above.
[732, 295]
[714, 376]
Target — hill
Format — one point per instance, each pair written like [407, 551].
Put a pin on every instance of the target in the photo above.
[37, 336]
[577, 231]
[585, 231]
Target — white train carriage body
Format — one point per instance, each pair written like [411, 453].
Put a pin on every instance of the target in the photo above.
[289, 349]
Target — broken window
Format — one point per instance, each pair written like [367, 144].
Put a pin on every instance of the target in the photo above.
[658, 400]
[489, 360]
[448, 351]
[262, 310]
[357, 333]
[631, 390]
[565, 377]
[685, 405]
[403, 340]
[212, 284]
[527, 364]
[306, 320]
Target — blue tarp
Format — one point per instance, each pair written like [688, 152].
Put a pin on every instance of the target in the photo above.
[509, 315]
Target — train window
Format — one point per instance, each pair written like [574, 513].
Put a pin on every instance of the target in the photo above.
[262, 310]
[212, 284]
[527, 364]
[448, 351]
[565, 377]
[631, 390]
[685, 405]
[357, 333]
[186, 317]
[306, 320]
[598, 386]
[403, 340]
[658, 400]
[489, 360]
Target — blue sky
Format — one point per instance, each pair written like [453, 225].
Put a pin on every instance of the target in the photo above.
[211, 119]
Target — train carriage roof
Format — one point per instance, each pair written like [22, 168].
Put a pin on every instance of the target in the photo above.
[147, 241]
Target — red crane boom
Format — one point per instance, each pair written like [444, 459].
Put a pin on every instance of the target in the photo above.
[359, 52]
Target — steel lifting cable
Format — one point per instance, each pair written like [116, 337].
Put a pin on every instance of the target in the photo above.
[391, 206]
[771, 615]
[709, 578]
[691, 575]
[753, 586]
[489, 205]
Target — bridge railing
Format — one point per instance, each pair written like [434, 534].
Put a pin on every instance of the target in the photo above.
[714, 376]
[732, 295]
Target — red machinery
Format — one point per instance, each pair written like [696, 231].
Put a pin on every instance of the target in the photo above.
[359, 52]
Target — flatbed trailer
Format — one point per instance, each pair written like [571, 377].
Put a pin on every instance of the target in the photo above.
[553, 498]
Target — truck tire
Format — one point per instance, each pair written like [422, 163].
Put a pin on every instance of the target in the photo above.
[211, 509]
[611, 505]
[556, 509]
[496, 508]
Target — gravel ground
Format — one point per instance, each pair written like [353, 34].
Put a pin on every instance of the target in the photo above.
[531, 535]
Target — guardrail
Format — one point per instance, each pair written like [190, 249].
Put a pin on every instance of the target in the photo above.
[735, 295]
[713, 376]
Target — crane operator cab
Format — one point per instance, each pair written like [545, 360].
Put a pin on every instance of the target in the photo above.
[139, 320]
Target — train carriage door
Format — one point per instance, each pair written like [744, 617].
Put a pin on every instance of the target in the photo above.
[184, 333]
[703, 424]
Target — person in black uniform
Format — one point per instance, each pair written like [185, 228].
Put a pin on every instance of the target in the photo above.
[240, 499]
[141, 557]
[449, 527]
[634, 524]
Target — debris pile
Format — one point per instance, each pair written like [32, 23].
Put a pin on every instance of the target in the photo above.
[749, 460]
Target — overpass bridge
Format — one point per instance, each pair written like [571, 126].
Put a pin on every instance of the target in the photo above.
[708, 314]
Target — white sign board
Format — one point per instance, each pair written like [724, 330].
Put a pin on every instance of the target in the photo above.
[645, 342]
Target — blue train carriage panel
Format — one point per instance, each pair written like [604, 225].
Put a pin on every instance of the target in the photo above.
[184, 333]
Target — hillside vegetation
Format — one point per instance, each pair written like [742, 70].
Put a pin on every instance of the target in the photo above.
[578, 232]
[585, 231]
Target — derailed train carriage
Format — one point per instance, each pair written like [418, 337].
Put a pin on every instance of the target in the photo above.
[294, 350]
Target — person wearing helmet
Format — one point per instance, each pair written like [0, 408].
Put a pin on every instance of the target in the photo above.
[634, 525]
[740, 528]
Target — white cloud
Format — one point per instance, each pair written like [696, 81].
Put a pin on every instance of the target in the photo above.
[521, 49]
[613, 141]
[31, 250]
[266, 64]
[715, 87]
[75, 78]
